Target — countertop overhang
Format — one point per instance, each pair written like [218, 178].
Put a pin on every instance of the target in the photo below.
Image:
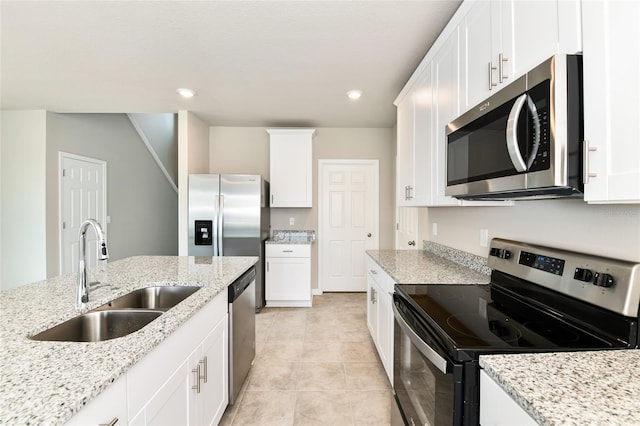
[49, 382]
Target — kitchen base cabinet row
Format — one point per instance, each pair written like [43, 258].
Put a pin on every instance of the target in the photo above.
[288, 275]
[380, 314]
[184, 380]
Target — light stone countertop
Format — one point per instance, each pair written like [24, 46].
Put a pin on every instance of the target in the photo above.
[421, 267]
[292, 237]
[48, 382]
[572, 388]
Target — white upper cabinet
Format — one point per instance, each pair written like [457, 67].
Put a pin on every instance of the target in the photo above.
[290, 164]
[415, 133]
[611, 68]
[504, 39]
[446, 100]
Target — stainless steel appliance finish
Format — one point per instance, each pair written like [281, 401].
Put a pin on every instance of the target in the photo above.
[524, 141]
[242, 331]
[540, 299]
[229, 216]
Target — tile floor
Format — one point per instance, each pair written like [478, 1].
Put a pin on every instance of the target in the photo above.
[314, 366]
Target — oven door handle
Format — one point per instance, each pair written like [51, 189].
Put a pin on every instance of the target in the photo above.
[426, 350]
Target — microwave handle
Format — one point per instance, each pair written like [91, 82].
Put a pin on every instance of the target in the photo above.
[439, 362]
[512, 133]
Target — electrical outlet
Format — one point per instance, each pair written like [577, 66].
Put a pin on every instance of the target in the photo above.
[292, 221]
[434, 228]
[484, 237]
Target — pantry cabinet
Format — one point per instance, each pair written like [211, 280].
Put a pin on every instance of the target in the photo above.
[380, 314]
[611, 67]
[502, 40]
[290, 167]
[288, 275]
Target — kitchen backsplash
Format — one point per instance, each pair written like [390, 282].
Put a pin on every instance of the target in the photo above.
[471, 261]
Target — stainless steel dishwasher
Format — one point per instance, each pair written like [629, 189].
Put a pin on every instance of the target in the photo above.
[242, 330]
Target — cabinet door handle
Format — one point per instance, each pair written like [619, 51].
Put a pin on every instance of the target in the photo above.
[111, 423]
[196, 370]
[271, 198]
[204, 364]
[585, 158]
[491, 70]
[374, 272]
[267, 266]
[501, 60]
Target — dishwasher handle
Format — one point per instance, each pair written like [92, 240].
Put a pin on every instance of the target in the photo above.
[238, 286]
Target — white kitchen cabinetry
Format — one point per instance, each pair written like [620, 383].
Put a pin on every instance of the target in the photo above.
[290, 167]
[109, 405]
[380, 314]
[168, 386]
[415, 132]
[497, 408]
[288, 275]
[502, 40]
[611, 109]
[446, 100]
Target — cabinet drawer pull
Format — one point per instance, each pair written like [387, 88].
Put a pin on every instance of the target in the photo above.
[585, 159]
[204, 363]
[501, 60]
[196, 387]
[374, 272]
[111, 423]
[491, 70]
[287, 251]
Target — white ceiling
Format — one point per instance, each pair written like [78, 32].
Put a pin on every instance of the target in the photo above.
[259, 63]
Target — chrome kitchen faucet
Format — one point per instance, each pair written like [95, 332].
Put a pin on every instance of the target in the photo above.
[82, 289]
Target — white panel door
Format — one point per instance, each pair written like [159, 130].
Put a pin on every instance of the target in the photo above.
[83, 183]
[348, 222]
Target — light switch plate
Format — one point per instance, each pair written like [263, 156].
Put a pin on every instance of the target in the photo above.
[484, 237]
[292, 221]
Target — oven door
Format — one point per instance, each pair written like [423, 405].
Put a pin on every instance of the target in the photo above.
[428, 385]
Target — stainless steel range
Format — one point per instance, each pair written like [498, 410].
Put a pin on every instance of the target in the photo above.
[540, 299]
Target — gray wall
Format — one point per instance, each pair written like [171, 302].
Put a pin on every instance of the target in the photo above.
[140, 201]
[161, 131]
[246, 150]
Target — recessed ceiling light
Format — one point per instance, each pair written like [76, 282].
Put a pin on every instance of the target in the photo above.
[354, 94]
[186, 93]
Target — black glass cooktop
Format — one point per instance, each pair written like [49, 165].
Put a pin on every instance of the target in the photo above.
[472, 319]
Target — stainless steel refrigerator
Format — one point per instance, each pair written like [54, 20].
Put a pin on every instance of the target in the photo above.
[229, 216]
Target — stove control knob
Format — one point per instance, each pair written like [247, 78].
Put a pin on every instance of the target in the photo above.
[582, 274]
[501, 253]
[603, 280]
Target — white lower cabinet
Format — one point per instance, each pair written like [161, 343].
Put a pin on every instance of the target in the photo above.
[497, 408]
[380, 314]
[183, 381]
[288, 275]
[110, 405]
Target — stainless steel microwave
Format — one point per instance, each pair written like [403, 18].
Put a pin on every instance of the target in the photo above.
[524, 141]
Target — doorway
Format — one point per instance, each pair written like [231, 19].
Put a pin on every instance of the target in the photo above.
[348, 222]
[82, 195]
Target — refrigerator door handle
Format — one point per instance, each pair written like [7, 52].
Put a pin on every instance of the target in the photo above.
[220, 225]
[214, 231]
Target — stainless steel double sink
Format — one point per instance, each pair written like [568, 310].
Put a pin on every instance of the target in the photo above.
[118, 317]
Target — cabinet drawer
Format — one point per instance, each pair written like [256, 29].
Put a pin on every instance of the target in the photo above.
[288, 250]
[384, 280]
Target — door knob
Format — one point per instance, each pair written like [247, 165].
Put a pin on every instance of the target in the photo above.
[412, 243]
[369, 235]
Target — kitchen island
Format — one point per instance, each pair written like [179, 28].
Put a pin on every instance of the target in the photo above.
[49, 382]
[571, 388]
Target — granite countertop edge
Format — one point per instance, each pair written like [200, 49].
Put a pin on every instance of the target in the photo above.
[561, 388]
[49, 382]
[436, 265]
